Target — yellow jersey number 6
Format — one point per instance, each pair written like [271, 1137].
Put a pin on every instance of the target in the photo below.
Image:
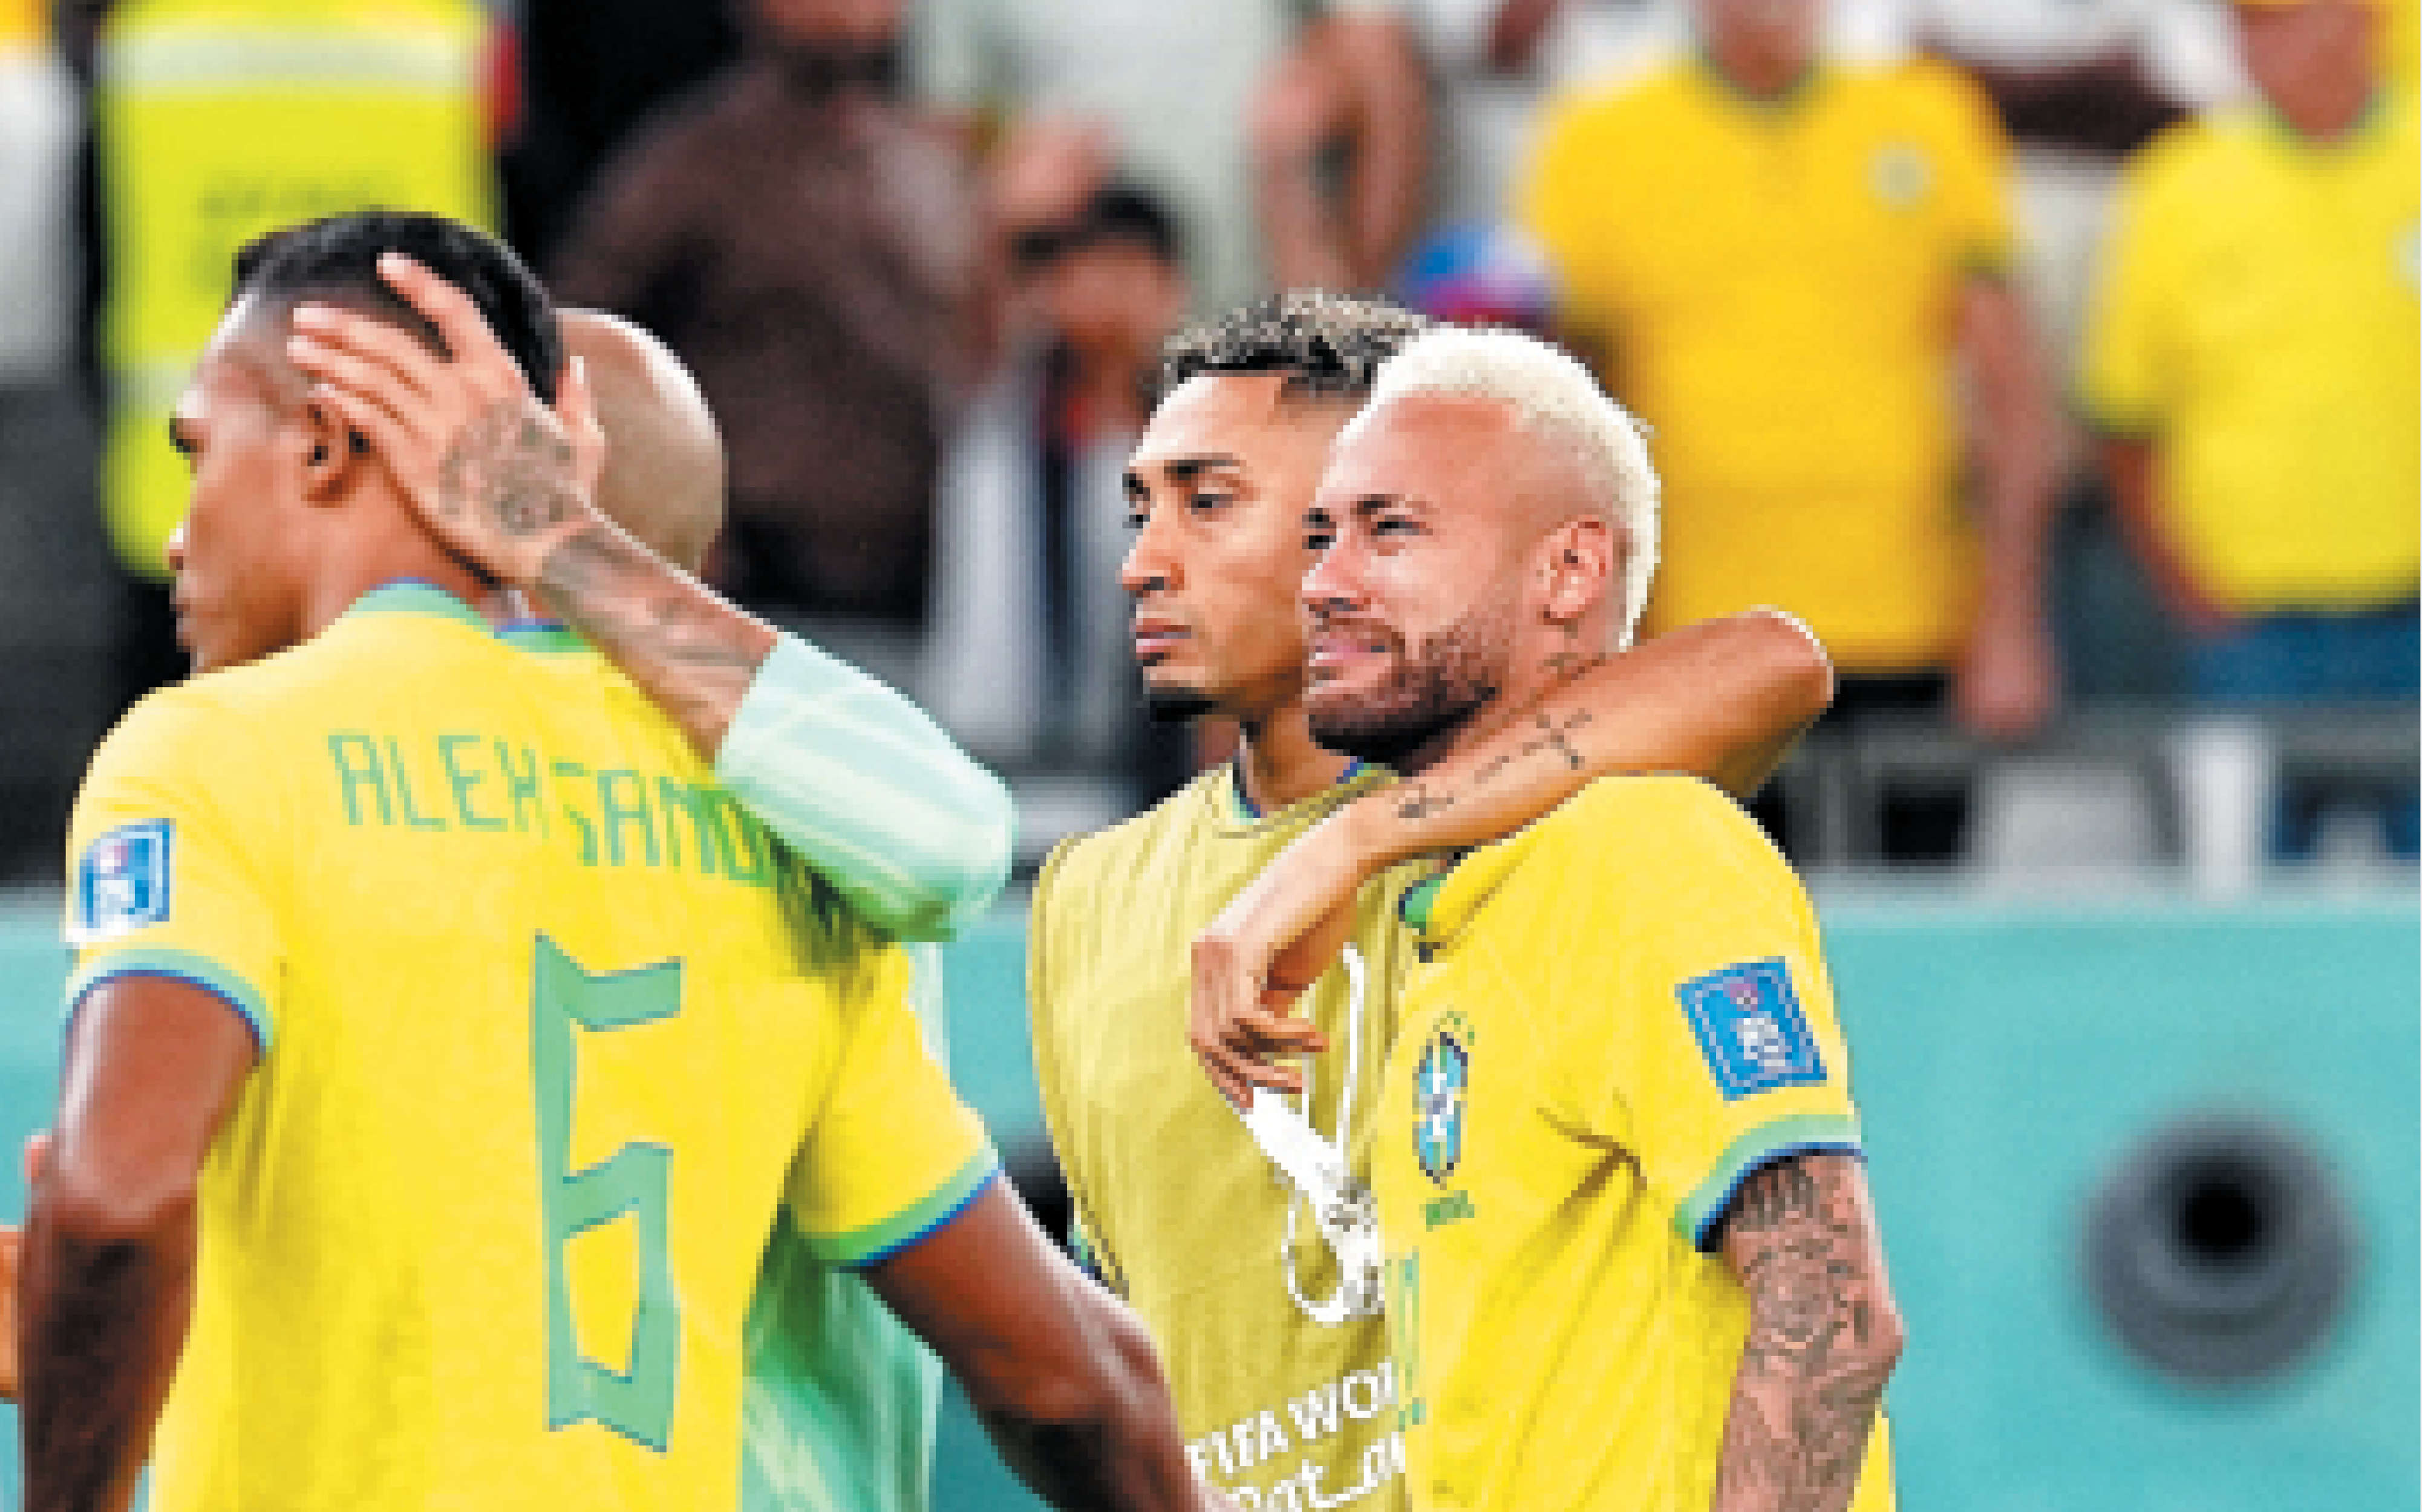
[637, 1179]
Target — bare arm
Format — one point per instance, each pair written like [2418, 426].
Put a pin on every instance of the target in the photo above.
[2133, 467]
[1389, 95]
[1724, 699]
[153, 1065]
[1824, 1335]
[2009, 680]
[1356, 78]
[1061, 1375]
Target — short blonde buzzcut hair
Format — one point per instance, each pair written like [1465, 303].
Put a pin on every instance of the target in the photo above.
[1554, 397]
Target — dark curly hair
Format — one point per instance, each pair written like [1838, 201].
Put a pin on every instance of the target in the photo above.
[1329, 346]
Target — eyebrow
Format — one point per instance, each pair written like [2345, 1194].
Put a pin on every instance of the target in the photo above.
[1180, 469]
[1366, 504]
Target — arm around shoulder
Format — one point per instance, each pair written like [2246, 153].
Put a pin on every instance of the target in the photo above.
[869, 791]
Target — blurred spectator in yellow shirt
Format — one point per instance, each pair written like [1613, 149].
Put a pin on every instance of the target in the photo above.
[2251, 361]
[1787, 264]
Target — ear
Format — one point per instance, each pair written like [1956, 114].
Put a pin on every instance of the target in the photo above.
[1577, 564]
[333, 455]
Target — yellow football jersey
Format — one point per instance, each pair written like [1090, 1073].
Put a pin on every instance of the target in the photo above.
[549, 1042]
[2261, 318]
[1623, 1012]
[1775, 286]
[1278, 1364]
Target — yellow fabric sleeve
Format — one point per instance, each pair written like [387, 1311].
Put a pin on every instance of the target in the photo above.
[893, 1153]
[1718, 1049]
[161, 879]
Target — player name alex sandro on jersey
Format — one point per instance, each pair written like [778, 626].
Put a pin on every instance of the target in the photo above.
[472, 784]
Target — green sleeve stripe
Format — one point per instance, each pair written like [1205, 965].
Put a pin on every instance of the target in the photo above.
[880, 1241]
[185, 965]
[865, 788]
[1798, 1134]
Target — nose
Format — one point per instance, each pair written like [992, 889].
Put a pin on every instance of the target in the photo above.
[177, 548]
[1331, 586]
[1147, 567]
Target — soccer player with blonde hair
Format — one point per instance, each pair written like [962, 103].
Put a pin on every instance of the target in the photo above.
[1631, 1258]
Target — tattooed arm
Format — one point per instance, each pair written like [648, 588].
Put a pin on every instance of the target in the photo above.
[1823, 1336]
[511, 485]
[854, 778]
[1724, 698]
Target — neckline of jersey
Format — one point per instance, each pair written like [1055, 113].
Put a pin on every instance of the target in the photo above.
[1784, 100]
[1244, 810]
[417, 595]
[2366, 125]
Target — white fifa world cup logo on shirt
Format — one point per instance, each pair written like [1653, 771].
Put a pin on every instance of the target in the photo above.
[1316, 1166]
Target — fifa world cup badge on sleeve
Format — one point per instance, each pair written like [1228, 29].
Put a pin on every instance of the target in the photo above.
[1749, 1024]
[121, 884]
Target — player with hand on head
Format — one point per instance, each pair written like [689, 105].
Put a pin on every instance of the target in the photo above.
[1631, 1261]
[380, 849]
[858, 783]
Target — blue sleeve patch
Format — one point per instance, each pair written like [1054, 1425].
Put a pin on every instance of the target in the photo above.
[1751, 1029]
[121, 884]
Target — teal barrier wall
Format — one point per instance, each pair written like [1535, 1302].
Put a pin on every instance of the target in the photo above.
[2008, 1059]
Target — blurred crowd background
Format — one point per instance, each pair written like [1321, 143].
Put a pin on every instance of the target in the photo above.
[2056, 359]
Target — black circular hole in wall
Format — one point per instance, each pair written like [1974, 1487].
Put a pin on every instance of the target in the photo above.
[2219, 1249]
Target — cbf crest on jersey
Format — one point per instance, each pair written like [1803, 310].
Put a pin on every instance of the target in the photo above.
[1749, 1024]
[122, 882]
[1440, 1082]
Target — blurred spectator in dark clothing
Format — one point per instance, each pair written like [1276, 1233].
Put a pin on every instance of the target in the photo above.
[1030, 658]
[590, 71]
[55, 570]
[811, 248]
[2252, 363]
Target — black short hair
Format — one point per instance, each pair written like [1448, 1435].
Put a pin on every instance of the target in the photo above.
[1328, 345]
[336, 258]
[1118, 213]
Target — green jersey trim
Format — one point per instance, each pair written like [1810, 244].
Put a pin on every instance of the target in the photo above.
[412, 596]
[1702, 1210]
[864, 1247]
[185, 965]
[543, 635]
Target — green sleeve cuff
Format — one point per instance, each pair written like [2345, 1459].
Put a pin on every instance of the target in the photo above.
[183, 965]
[1702, 1212]
[876, 1242]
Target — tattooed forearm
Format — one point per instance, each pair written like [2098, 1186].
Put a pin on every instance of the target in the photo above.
[1569, 664]
[692, 653]
[509, 471]
[1823, 1337]
[1548, 733]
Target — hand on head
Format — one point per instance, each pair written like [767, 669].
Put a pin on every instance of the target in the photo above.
[487, 468]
